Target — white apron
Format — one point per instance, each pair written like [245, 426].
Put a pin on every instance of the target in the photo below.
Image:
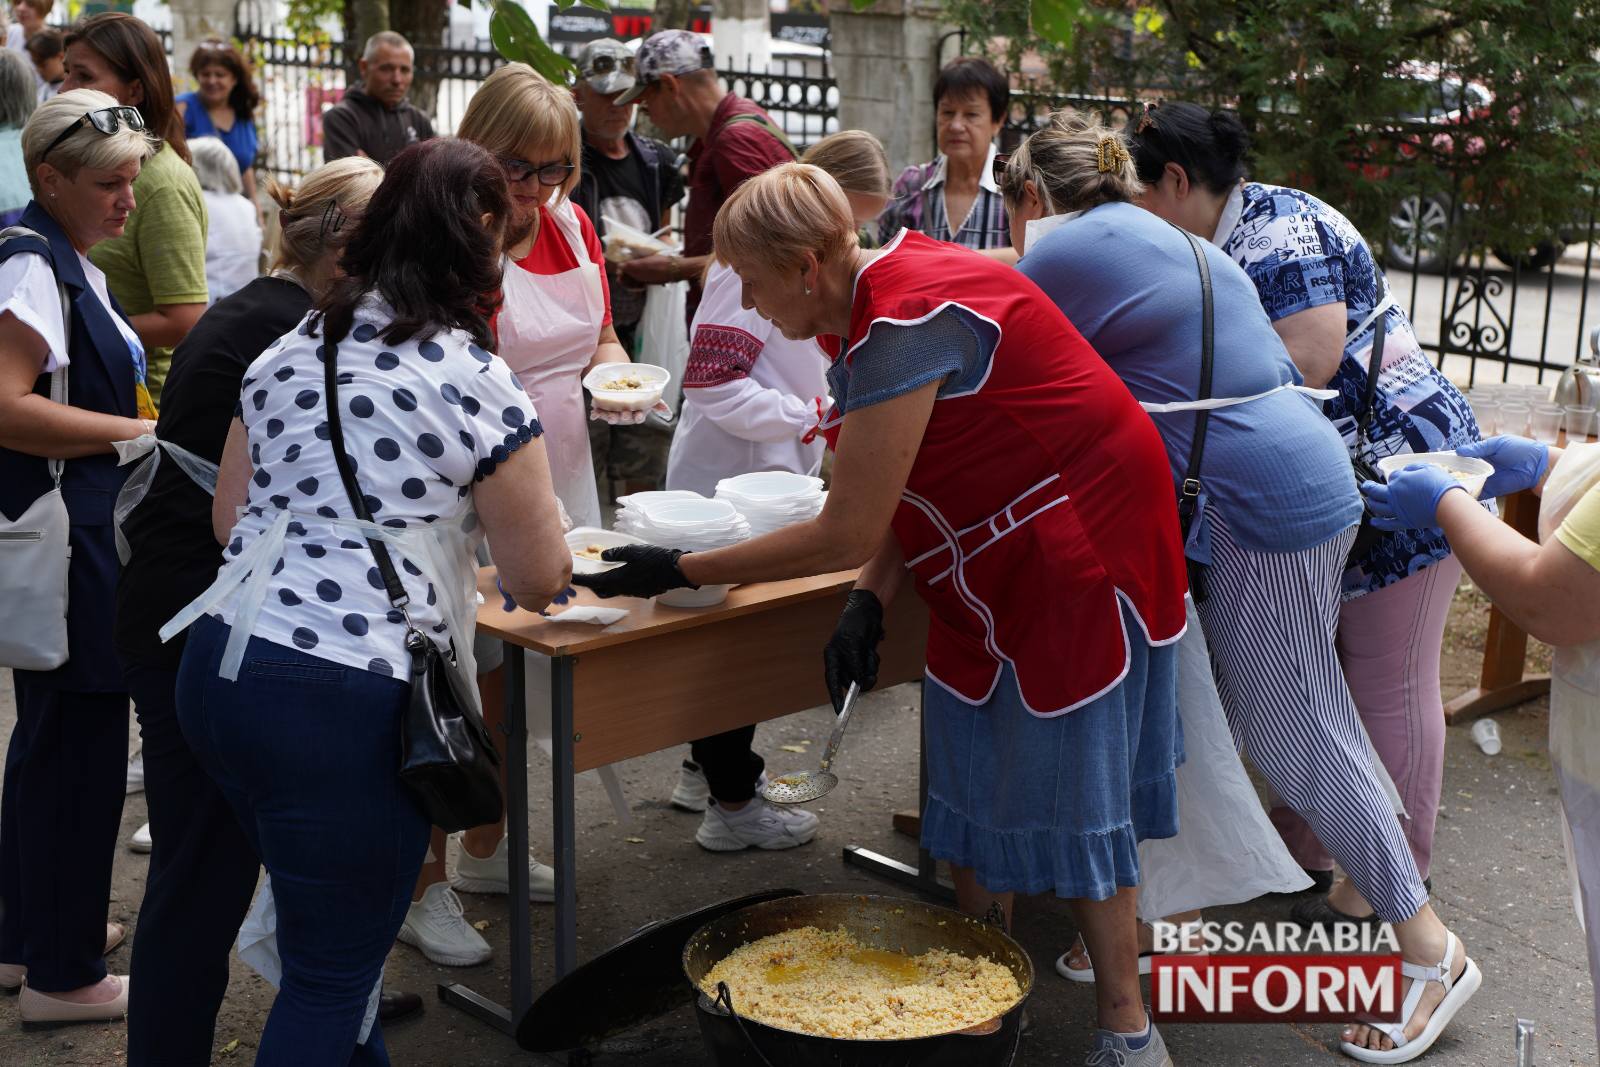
[549, 325]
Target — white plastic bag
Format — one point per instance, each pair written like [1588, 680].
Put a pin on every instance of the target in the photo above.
[664, 335]
[1577, 472]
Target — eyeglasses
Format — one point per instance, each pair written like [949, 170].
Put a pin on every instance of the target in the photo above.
[108, 120]
[999, 169]
[518, 170]
[605, 64]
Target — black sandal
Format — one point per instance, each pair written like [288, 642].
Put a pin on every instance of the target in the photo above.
[1318, 912]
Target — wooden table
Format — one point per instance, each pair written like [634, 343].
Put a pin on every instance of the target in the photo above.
[755, 657]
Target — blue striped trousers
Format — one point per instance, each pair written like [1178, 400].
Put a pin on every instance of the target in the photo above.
[1271, 619]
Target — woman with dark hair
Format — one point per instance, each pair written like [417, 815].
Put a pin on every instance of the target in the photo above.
[295, 674]
[954, 197]
[1329, 302]
[225, 104]
[157, 268]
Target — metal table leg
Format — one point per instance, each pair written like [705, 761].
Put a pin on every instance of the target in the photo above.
[562, 816]
[924, 877]
[455, 993]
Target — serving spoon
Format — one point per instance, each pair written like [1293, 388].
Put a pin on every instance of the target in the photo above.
[803, 786]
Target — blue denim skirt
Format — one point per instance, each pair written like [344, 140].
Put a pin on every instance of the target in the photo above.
[1055, 805]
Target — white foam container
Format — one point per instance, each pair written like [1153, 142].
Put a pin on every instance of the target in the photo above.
[771, 486]
[1474, 472]
[655, 381]
[582, 537]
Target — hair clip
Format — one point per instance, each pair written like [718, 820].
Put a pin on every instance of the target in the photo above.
[1111, 155]
[1145, 119]
[332, 219]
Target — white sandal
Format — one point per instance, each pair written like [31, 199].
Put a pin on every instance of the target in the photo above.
[1457, 992]
[1086, 974]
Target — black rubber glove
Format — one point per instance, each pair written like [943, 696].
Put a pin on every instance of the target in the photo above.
[852, 652]
[651, 570]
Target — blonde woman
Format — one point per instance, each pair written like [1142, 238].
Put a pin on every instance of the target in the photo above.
[857, 161]
[64, 779]
[203, 869]
[1270, 529]
[965, 401]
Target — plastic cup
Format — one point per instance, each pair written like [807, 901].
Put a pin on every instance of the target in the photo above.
[1514, 417]
[1486, 732]
[1545, 422]
[1580, 422]
[1487, 411]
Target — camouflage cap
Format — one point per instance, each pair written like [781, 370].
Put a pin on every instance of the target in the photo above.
[673, 52]
[607, 65]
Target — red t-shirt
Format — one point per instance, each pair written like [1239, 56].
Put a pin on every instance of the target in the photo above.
[551, 254]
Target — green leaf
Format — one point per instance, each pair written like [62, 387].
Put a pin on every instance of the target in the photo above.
[564, 4]
[598, 5]
[1056, 20]
[862, 5]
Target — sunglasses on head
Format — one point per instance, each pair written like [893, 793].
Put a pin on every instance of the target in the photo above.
[999, 169]
[605, 64]
[108, 120]
[518, 170]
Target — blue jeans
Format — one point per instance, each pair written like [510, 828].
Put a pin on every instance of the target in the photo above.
[306, 751]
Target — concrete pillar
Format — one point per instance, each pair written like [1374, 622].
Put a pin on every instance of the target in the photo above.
[192, 22]
[739, 34]
[885, 60]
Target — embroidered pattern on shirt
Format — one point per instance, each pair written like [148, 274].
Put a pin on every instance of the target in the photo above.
[720, 354]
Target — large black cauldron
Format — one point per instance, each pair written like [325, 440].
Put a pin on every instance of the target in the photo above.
[892, 923]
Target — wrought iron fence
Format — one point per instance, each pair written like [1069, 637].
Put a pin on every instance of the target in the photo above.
[1484, 314]
[299, 81]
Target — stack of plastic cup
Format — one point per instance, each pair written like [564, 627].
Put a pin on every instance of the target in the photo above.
[1486, 409]
[771, 500]
[1514, 415]
[688, 521]
[1545, 421]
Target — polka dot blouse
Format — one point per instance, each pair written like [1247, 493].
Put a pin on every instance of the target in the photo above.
[424, 422]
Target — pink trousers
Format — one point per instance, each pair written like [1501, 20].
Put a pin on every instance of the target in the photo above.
[1389, 645]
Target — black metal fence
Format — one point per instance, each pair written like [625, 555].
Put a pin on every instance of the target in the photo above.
[1485, 314]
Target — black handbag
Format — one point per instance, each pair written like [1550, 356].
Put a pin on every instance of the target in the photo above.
[1189, 491]
[1367, 534]
[447, 759]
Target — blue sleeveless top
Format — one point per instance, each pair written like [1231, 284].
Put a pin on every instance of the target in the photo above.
[241, 139]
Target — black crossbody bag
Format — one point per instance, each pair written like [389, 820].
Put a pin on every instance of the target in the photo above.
[1189, 491]
[447, 758]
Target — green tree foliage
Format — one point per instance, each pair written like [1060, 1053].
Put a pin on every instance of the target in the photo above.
[1488, 106]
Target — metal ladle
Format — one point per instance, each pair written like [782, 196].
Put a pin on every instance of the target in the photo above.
[803, 786]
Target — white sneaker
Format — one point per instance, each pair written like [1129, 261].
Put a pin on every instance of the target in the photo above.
[691, 792]
[141, 840]
[756, 825]
[435, 925]
[136, 772]
[493, 875]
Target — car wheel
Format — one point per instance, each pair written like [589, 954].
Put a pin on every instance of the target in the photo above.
[1419, 234]
[1541, 256]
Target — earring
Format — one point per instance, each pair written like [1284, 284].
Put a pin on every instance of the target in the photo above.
[808, 290]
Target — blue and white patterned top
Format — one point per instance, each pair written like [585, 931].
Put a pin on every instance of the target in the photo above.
[1301, 254]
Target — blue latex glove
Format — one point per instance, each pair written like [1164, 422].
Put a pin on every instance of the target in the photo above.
[1410, 501]
[1518, 462]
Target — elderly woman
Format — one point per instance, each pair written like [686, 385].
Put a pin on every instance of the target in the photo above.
[233, 239]
[954, 197]
[1269, 528]
[17, 101]
[224, 106]
[983, 446]
[1330, 303]
[1552, 590]
[157, 268]
[295, 679]
[64, 771]
[203, 870]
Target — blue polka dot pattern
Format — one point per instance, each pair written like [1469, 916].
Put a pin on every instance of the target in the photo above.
[430, 446]
[405, 400]
[322, 432]
[512, 417]
[283, 374]
[315, 551]
[305, 637]
[291, 454]
[380, 666]
[361, 407]
[364, 332]
[387, 448]
[288, 599]
[356, 625]
[479, 354]
[306, 399]
[258, 399]
[328, 591]
[308, 486]
[375, 577]
[450, 393]
[274, 428]
[413, 488]
[430, 351]
[386, 361]
[262, 478]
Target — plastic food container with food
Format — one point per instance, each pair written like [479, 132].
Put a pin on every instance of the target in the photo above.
[584, 538]
[1471, 473]
[624, 242]
[610, 396]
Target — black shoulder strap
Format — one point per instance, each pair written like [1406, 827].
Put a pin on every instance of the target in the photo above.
[1369, 395]
[768, 125]
[1189, 492]
[330, 378]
